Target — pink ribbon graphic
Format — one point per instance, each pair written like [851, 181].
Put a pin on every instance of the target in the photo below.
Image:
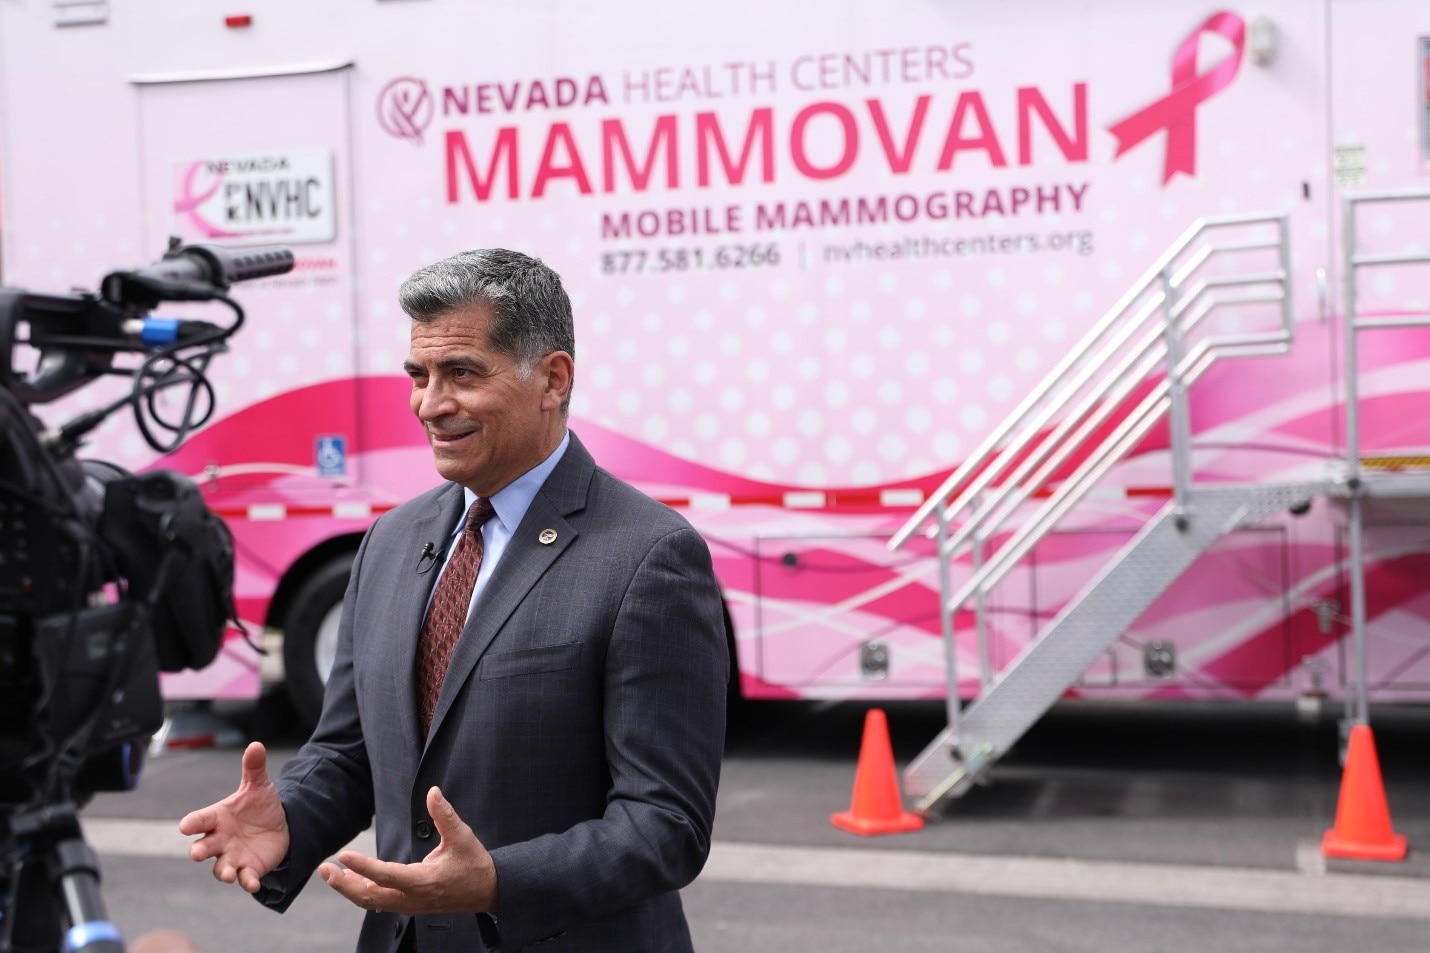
[188, 203]
[1177, 111]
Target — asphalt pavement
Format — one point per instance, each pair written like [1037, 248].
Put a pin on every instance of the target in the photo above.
[1137, 828]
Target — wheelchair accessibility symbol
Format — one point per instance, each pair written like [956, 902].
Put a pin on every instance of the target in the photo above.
[332, 456]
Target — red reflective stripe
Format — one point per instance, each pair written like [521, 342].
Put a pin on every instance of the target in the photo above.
[335, 510]
[795, 500]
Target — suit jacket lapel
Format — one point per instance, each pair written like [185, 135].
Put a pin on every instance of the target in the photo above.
[522, 565]
[412, 593]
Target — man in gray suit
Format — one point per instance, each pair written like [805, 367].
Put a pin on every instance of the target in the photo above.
[546, 771]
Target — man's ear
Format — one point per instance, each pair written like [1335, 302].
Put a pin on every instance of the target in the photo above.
[558, 369]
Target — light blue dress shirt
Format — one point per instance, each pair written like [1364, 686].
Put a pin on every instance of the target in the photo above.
[510, 503]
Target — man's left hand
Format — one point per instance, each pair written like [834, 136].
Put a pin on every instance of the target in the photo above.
[457, 877]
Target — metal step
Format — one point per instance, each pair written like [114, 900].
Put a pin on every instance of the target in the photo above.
[1139, 574]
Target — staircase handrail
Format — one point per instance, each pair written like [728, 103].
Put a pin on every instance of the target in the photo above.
[1121, 442]
[1101, 403]
[993, 456]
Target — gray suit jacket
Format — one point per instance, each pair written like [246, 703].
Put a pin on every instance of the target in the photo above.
[579, 729]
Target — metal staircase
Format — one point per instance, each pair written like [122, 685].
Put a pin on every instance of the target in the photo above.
[1130, 372]
[1128, 586]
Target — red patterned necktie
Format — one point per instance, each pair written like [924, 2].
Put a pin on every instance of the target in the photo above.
[447, 615]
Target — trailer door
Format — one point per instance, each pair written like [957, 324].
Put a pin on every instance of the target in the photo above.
[260, 159]
[241, 160]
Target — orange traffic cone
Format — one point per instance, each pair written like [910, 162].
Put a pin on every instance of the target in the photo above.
[1362, 828]
[878, 804]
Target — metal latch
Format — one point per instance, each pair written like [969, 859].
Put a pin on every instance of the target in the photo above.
[874, 660]
[1159, 659]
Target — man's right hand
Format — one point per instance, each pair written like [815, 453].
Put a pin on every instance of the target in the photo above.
[247, 831]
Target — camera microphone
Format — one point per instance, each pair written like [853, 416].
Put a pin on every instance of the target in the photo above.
[194, 273]
[214, 265]
[429, 556]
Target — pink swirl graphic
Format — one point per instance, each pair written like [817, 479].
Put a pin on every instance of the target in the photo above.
[1177, 111]
[800, 622]
[188, 203]
[404, 108]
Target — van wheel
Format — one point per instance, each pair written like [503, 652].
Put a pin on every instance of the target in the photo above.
[310, 636]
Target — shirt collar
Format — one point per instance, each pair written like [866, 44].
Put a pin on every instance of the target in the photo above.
[513, 500]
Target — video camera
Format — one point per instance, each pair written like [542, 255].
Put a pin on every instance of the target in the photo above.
[106, 578]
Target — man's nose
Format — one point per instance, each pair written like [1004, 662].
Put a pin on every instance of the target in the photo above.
[435, 401]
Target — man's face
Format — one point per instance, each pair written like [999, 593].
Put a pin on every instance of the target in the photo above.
[487, 423]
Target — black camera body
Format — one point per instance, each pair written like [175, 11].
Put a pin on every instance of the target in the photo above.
[106, 578]
[132, 575]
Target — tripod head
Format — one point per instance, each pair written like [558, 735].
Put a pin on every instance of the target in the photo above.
[56, 861]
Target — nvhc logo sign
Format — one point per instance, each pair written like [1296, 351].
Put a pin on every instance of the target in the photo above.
[404, 108]
[247, 198]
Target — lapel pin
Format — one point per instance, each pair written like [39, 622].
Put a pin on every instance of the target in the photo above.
[546, 537]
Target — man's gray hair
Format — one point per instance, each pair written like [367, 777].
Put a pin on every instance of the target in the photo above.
[531, 314]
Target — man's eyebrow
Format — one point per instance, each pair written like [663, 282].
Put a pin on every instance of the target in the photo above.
[446, 364]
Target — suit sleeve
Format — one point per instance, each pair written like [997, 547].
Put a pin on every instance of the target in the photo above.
[666, 670]
[326, 789]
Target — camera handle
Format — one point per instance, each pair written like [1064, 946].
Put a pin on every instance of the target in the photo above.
[54, 859]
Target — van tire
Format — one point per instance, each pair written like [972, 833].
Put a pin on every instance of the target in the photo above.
[310, 636]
